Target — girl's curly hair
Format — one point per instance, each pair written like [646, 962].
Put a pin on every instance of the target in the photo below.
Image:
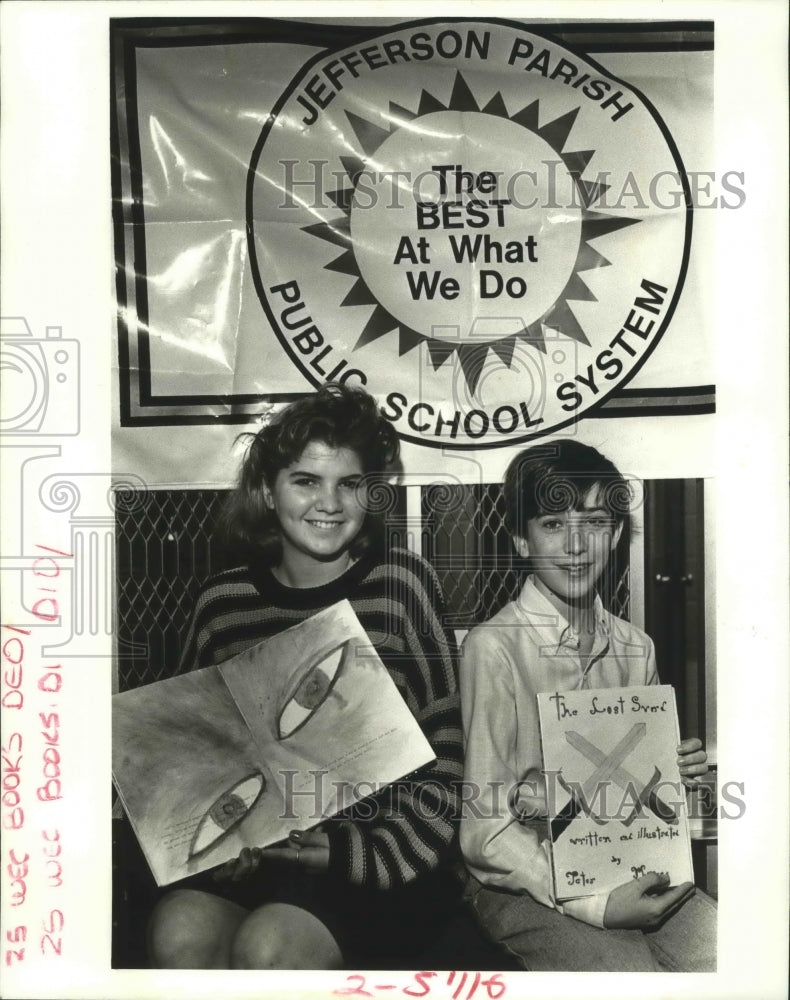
[338, 415]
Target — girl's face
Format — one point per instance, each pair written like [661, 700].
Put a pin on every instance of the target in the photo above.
[319, 502]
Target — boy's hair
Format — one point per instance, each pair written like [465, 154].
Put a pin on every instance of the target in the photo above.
[339, 416]
[556, 477]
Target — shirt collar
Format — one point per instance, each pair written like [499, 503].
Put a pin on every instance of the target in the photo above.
[541, 614]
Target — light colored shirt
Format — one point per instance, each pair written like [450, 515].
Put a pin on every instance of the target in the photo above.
[527, 648]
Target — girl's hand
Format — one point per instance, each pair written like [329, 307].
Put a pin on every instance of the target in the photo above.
[692, 761]
[245, 864]
[645, 902]
[307, 849]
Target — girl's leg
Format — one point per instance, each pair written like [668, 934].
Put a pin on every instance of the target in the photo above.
[284, 936]
[193, 930]
[197, 930]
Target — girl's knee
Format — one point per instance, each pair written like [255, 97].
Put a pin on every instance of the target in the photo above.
[171, 930]
[259, 945]
[280, 936]
[192, 930]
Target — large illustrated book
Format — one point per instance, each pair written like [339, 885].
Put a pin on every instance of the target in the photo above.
[276, 738]
[617, 806]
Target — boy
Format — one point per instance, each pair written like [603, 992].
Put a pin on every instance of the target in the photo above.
[565, 506]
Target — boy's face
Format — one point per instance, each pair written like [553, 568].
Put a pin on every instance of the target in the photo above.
[570, 550]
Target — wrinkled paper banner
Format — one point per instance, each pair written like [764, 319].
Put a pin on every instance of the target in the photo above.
[488, 224]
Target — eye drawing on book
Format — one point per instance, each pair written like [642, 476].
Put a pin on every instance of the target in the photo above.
[227, 812]
[313, 689]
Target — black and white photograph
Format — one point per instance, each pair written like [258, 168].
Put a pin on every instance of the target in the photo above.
[386, 397]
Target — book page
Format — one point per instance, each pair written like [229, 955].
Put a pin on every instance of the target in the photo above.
[325, 714]
[182, 753]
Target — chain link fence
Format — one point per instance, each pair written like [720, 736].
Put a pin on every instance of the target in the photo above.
[167, 545]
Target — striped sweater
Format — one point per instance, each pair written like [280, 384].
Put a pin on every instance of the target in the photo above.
[388, 839]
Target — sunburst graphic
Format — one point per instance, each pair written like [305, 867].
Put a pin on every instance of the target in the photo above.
[471, 354]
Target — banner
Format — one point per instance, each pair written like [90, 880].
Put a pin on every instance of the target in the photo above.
[497, 228]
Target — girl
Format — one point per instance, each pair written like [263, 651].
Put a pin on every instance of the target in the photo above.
[354, 889]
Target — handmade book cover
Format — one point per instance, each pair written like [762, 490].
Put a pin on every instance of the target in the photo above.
[617, 807]
[277, 738]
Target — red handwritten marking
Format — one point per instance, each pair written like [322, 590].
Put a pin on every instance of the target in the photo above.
[353, 991]
[13, 813]
[51, 851]
[494, 986]
[460, 985]
[38, 571]
[18, 870]
[52, 610]
[420, 978]
[15, 645]
[53, 927]
[54, 880]
[51, 682]
[46, 616]
[16, 936]
[58, 552]
[14, 653]
[50, 721]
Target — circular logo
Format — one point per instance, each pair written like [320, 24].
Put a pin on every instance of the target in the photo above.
[461, 218]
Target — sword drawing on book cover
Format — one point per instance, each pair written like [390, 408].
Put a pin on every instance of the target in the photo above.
[618, 808]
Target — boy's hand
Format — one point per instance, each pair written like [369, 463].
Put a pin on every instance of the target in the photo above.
[692, 761]
[531, 801]
[645, 902]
